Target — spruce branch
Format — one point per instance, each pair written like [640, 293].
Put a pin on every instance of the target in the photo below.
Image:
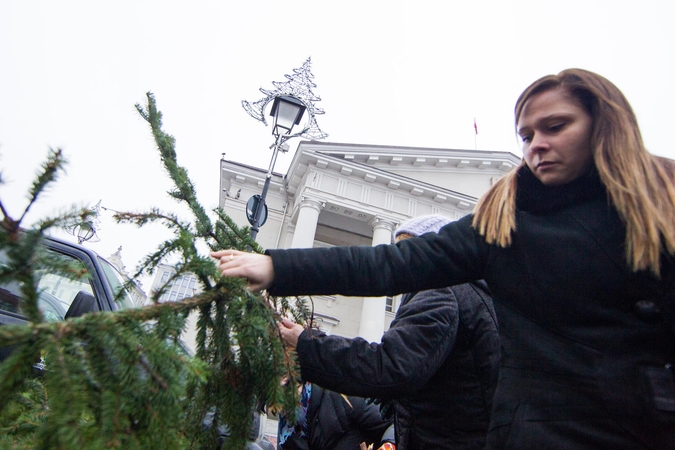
[185, 190]
[21, 334]
[119, 379]
[237, 336]
[50, 170]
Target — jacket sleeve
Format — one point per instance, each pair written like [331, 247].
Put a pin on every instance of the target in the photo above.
[457, 254]
[411, 351]
[366, 417]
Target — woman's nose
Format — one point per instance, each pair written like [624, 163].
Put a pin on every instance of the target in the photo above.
[539, 143]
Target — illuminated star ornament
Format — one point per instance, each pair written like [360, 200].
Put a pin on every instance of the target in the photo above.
[299, 85]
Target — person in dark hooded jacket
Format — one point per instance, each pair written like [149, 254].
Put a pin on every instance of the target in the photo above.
[328, 420]
[435, 368]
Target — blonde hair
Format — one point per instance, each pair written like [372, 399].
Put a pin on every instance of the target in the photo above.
[641, 186]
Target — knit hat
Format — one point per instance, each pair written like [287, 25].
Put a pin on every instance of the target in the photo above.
[423, 224]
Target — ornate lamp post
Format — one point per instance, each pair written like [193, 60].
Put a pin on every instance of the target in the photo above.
[85, 232]
[290, 100]
[85, 229]
[287, 112]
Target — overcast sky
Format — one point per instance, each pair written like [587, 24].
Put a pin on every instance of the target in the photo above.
[388, 72]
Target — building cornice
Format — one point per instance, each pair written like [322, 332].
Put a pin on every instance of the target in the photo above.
[417, 157]
[249, 175]
[370, 175]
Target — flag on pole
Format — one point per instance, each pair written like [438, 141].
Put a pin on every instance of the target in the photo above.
[475, 127]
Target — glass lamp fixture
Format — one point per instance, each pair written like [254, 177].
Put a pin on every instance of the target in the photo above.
[287, 112]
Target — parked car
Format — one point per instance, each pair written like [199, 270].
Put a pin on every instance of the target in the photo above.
[62, 297]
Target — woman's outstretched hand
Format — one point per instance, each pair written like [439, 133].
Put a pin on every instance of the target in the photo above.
[256, 268]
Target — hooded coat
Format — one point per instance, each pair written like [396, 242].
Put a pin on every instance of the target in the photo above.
[337, 422]
[436, 366]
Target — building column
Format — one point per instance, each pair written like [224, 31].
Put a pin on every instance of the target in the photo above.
[305, 226]
[371, 326]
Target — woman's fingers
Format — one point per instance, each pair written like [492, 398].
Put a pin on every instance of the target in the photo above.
[257, 269]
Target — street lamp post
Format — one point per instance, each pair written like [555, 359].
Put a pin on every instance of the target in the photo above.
[287, 112]
[291, 99]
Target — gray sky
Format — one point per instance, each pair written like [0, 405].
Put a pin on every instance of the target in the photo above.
[389, 72]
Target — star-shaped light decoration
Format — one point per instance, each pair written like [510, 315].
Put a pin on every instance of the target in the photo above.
[299, 85]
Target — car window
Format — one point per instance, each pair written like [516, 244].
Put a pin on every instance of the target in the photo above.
[116, 281]
[9, 297]
[56, 291]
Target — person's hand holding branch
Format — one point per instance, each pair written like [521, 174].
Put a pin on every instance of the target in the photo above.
[290, 332]
[257, 269]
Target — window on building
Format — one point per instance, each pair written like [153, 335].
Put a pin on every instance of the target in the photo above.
[389, 305]
[165, 276]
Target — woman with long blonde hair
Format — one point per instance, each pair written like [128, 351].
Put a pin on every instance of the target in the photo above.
[577, 245]
[641, 186]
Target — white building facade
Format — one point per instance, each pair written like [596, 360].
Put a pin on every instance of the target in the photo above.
[350, 194]
[136, 291]
[185, 285]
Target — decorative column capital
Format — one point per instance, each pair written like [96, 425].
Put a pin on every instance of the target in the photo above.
[308, 210]
[383, 230]
[381, 223]
[308, 202]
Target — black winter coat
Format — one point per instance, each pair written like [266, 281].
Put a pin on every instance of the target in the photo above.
[338, 423]
[588, 346]
[438, 361]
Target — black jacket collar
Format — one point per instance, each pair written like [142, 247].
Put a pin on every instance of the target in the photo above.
[534, 197]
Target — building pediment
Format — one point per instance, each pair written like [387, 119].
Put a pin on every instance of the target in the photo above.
[439, 173]
[416, 158]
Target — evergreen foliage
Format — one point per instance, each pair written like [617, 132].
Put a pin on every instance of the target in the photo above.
[121, 379]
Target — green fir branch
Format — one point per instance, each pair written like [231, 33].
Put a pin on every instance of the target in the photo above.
[50, 170]
[121, 379]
